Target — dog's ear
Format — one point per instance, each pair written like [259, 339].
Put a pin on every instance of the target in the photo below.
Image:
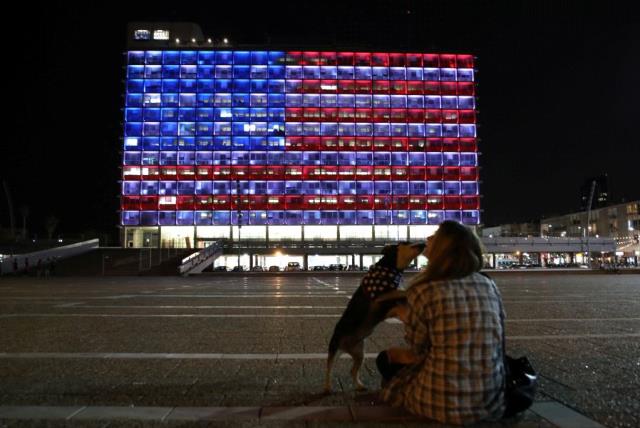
[389, 250]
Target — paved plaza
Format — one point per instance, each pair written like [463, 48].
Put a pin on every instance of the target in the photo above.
[246, 350]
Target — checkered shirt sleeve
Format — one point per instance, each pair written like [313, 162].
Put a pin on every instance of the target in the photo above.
[454, 327]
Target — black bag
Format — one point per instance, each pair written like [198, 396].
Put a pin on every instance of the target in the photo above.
[521, 383]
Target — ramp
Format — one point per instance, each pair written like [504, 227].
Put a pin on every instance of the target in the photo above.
[197, 262]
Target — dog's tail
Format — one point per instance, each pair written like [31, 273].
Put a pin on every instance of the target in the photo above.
[331, 357]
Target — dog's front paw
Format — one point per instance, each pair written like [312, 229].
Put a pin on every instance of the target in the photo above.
[360, 387]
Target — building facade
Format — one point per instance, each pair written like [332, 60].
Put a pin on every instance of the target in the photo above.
[281, 145]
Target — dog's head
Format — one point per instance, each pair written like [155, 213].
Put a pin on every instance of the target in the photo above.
[399, 256]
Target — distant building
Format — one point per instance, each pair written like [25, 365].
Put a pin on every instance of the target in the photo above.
[601, 195]
[614, 221]
[512, 229]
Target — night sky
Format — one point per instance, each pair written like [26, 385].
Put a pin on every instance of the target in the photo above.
[558, 87]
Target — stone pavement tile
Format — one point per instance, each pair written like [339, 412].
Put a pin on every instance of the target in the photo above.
[380, 413]
[563, 416]
[308, 413]
[119, 412]
[38, 412]
[212, 413]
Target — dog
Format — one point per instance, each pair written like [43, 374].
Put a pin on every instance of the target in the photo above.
[373, 302]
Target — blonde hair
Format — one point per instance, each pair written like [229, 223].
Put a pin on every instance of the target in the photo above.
[455, 252]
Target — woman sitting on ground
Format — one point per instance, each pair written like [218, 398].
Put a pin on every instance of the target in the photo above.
[453, 372]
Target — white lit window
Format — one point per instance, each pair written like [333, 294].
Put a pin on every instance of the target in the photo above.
[167, 200]
[161, 35]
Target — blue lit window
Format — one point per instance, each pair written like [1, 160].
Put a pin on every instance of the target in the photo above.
[206, 58]
[435, 217]
[188, 72]
[153, 72]
[451, 159]
[258, 100]
[398, 101]
[224, 72]
[148, 218]
[221, 188]
[347, 187]
[364, 217]
[168, 188]
[415, 101]
[417, 188]
[399, 158]
[328, 100]
[135, 85]
[206, 72]
[151, 143]
[363, 101]
[465, 74]
[329, 187]
[258, 158]
[397, 73]
[293, 86]
[346, 159]
[240, 100]
[414, 73]
[186, 143]
[204, 158]
[184, 218]
[224, 57]
[363, 73]
[260, 57]
[168, 158]
[153, 57]
[203, 218]
[311, 100]
[432, 74]
[148, 188]
[329, 217]
[469, 188]
[136, 57]
[169, 143]
[241, 72]
[275, 187]
[382, 187]
[221, 218]
[448, 74]
[383, 217]
[130, 218]
[433, 130]
[242, 57]
[452, 188]
[312, 217]
[380, 73]
[130, 187]
[221, 158]
[186, 158]
[167, 218]
[467, 130]
[293, 72]
[205, 85]
[346, 128]
[170, 100]
[435, 188]
[364, 187]
[400, 188]
[311, 72]
[188, 57]
[468, 159]
[312, 188]
[135, 72]
[170, 72]
[328, 72]
[449, 102]
[471, 217]
[240, 158]
[188, 85]
[276, 72]
[345, 72]
[418, 217]
[453, 215]
[381, 158]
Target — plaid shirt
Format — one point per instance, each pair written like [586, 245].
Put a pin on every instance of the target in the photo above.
[454, 327]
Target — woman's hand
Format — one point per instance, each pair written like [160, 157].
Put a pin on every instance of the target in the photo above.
[401, 312]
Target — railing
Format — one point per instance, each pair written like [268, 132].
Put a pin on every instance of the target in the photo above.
[22, 262]
[194, 263]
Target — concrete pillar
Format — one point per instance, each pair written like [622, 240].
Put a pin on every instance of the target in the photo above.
[305, 262]
[353, 259]
[361, 260]
[250, 261]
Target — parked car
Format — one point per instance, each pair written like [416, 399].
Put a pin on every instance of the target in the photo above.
[336, 266]
[238, 269]
[257, 269]
[293, 267]
[353, 267]
[318, 268]
[220, 269]
[274, 268]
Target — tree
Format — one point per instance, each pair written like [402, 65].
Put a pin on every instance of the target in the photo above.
[51, 223]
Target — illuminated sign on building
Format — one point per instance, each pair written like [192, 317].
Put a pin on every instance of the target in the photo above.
[299, 138]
